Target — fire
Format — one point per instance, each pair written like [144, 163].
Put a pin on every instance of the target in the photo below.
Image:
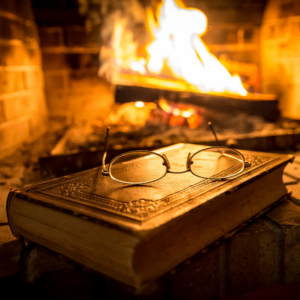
[177, 50]
[176, 113]
[180, 112]
[147, 105]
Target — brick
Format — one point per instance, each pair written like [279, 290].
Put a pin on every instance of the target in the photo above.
[81, 102]
[33, 53]
[89, 74]
[58, 102]
[55, 81]
[16, 30]
[10, 251]
[13, 134]
[12, 55]
[287, 218]
[198, 280]
[20, 8]
[11, 82]
[87, 107]
[78, 36]
[19, 106]
[31, 32]
[11, 29]
[251, 259]
[38, 123]
[76, 61]
[94, 85]
[54, 61]
[51, 36]
[85, 61]
[33, 79]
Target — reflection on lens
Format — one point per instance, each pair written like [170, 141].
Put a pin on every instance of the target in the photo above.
[217, 162]
[138, 167]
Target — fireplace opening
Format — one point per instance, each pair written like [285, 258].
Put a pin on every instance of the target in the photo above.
[155, 81]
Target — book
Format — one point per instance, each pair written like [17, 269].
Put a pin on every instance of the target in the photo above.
[137, 233]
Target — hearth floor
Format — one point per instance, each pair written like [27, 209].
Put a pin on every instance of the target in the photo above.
[21, 167]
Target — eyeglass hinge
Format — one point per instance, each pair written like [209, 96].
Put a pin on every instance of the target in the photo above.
[247, 164]
[105, 173]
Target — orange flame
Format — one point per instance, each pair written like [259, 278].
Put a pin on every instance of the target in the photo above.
[178, 50]
[180, 113]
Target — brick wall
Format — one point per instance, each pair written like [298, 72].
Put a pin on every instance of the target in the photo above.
[23, 112]
[280, 40]
[70, 56]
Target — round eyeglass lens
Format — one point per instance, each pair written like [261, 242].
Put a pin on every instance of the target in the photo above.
[217, 162]
[138, 167]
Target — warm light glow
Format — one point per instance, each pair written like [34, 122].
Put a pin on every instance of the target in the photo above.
[138, 66]
[180, 112]
[139, 104]
[186, 114]
[165, 106]
[147, 105]
[176, 112]
[176, 50]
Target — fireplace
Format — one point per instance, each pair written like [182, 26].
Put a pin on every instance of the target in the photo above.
[51, 71]
[100, 68]
[88, 92]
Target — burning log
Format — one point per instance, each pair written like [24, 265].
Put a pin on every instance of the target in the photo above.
[137, 87]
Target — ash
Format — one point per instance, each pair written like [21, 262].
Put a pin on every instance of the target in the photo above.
[136, 128]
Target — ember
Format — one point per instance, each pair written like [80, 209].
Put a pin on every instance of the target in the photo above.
[179, 112]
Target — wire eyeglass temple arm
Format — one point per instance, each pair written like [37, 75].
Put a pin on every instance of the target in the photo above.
[247, 164]
[214, 133]
[104, 170]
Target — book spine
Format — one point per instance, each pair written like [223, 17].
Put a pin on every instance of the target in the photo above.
[10, 197]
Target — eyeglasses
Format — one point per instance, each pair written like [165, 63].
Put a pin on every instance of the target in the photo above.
[143, 166]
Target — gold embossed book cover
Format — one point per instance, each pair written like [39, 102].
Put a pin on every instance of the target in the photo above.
[136, 233]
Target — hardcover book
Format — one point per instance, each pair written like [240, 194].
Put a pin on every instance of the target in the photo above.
[136, 233]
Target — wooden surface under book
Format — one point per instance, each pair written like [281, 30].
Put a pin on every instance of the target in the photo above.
[137, 233]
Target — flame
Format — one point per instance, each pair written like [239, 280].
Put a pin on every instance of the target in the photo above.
[177, 50]
[139, 104]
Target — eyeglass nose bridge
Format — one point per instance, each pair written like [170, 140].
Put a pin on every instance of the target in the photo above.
[189, 161]
[167, 164]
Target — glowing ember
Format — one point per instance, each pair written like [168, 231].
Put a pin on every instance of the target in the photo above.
[180, 112]
[147, 105]
[176, 112]
[139, 104]
[177, 50]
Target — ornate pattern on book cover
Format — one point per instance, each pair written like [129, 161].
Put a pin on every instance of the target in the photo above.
[142, 202]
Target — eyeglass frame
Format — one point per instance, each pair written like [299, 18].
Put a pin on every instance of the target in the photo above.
[189, 162]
